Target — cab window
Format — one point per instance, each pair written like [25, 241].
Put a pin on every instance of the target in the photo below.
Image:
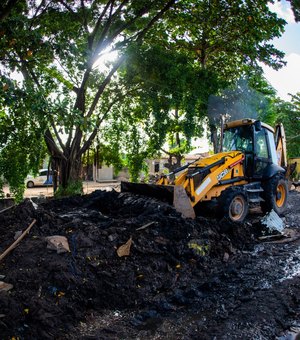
[238, 139]
[261, 144]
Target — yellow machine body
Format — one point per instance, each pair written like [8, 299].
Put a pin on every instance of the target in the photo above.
[245, 173]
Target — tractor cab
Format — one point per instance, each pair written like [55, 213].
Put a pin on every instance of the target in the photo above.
[256, 141]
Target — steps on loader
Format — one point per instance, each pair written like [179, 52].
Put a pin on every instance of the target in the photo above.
[254, 190]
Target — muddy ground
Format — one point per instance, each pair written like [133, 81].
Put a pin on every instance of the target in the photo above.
[181, 279]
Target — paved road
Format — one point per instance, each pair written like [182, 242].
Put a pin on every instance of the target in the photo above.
[88, 187]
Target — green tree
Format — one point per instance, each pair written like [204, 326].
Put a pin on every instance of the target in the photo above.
[216, 43]
[173, 89]
[56, 45]
[296, 9]
[288, 113]
[230, 36]
[21, 138]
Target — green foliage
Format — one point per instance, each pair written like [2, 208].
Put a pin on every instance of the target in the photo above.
[176, 57]
[74, 188]
[21, 139]
[202, 48]
[55, 45]
[296, 9]
[169, 97]
[166, 80]
[111, 156]
[229, 36]
[289, 115]
[135, 154]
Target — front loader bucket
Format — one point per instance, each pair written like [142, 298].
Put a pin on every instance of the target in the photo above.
[182, 202]
[173, 194]
[162, 192]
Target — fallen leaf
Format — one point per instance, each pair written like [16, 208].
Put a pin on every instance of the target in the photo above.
[124, 250]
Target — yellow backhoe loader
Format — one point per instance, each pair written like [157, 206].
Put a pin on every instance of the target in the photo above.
[251, 168]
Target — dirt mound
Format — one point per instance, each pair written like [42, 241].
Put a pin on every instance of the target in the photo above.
[136, 266]
[169, 258]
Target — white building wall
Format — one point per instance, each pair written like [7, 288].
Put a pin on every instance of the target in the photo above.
[105, 173]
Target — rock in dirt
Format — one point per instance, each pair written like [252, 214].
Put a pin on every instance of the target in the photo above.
[58, 243]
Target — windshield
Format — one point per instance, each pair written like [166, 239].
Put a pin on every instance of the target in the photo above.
[238, 138]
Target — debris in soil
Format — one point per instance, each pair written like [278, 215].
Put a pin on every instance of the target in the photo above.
[273, 222]
[139, 258]
[5, 286]
[58, 243]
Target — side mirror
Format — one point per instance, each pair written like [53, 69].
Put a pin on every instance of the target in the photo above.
[257, 125]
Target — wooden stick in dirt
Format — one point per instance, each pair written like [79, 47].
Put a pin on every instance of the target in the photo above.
[17, 241]
[1, 211]
[145, 226]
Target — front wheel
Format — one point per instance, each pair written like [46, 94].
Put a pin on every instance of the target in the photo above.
[30, 184]
[234, 205]
[275, 195]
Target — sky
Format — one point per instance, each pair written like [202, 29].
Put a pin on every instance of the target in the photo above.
[287, 79]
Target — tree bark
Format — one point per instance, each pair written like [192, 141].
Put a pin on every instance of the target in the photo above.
[214, 138]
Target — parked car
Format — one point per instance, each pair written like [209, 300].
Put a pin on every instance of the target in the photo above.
[41, 179]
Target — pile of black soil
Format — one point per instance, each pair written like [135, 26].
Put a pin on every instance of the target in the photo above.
[172, 265]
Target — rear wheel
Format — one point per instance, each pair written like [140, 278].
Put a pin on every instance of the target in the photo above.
[30, 184]
[234, 205]
[275, 195]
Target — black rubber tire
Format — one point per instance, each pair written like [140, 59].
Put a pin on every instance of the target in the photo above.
[275, 195]
[233, 204]
[30, 184]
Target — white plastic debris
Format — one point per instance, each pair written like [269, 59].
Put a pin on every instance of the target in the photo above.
[273, 222]
[33, 204]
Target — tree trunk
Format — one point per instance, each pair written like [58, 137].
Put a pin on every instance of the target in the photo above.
[70, 169]
[66, 164]
[55, 168]
[214, 138]
[173, 166]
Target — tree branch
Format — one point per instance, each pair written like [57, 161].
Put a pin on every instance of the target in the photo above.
[5, 11]
[58, 137]
[103, 85]
[69, 8]
[96, 28]
[68, 143]
[52, 147]
[89, 141]
[85, 24]
[166, 152]
[141, 34]
[37, 11]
